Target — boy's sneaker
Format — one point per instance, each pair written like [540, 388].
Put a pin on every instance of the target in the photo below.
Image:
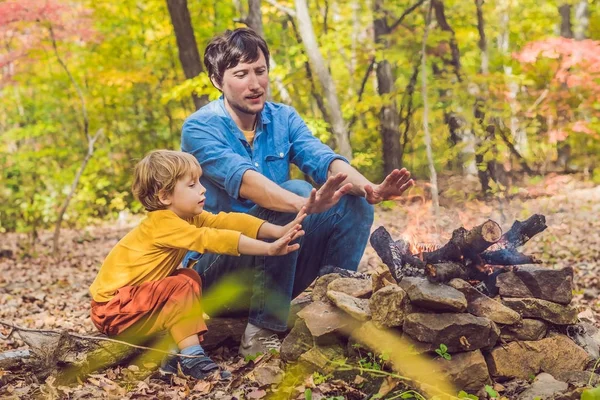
[263, 341]
[198, 368]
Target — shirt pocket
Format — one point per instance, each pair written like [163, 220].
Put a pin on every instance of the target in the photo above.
[278, 164]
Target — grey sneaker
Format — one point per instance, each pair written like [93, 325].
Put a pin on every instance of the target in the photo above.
[263, 342]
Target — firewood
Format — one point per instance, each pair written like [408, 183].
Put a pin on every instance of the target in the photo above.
[466, 244]
[396, 255]
[507, 257]
[445, 272]
[520, 232]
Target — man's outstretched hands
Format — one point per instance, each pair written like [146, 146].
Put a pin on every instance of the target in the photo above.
[392, 187]
[328, 195]
[282, 246]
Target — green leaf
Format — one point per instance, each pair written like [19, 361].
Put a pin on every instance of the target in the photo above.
[490, 390]
[308, 394]
[591, 394]
[464, 395]
[443, 347]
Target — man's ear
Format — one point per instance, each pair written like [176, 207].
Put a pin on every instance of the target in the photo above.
[165, 199]
[215, 83]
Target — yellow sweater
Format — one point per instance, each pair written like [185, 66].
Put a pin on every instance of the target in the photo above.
[155, 248]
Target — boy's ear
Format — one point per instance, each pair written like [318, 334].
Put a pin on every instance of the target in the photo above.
[165, 199]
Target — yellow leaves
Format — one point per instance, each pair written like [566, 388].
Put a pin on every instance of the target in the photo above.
[123, 80]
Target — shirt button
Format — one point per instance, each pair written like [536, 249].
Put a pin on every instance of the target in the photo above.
[280, 154]
[256, 164]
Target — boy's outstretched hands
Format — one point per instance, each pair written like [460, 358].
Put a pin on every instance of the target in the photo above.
[282, 246]
[392, 187]
[328, 195]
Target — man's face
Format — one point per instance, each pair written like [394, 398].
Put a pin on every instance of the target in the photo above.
[245, 86]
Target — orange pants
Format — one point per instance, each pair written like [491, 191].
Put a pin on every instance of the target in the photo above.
[171, 304]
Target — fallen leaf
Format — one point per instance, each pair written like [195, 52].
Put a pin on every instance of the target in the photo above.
[256, 394]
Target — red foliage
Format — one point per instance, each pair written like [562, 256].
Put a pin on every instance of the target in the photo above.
[579, 60]
[24, 26]
[574, 87]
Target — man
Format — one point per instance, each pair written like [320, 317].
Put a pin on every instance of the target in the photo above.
[245, 146]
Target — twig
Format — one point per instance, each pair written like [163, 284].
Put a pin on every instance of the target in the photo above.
[287, 10]
[94, 338]
[405, 13]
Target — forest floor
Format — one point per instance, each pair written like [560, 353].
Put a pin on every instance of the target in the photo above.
[39, 291]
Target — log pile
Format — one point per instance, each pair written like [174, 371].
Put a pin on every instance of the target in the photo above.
[428, 300]
[479, 254]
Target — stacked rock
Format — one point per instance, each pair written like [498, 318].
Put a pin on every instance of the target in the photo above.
[516, 335]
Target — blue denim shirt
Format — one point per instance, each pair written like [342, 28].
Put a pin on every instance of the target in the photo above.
[281, 138]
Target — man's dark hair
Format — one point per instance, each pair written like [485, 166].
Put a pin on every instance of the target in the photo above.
[231, 48]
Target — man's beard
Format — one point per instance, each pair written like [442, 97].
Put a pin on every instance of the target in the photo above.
[244, 109]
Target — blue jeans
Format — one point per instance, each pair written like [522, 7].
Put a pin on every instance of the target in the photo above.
[336, 237]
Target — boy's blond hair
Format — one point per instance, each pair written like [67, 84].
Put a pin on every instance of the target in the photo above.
[158, 172]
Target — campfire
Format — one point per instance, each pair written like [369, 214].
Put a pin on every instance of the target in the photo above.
[477, 255]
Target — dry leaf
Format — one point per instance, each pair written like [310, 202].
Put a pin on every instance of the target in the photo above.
[203, 387]
[388, 384]
[256, 394]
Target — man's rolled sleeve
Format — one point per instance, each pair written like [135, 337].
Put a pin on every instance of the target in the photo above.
[311, 155]
[233, 181]
[219, 162]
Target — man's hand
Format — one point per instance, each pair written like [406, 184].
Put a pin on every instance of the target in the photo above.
[392, 187]
[282, 246]
[330, 193]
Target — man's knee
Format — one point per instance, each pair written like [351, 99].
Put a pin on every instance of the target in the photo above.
[359, 209]
[297, 186]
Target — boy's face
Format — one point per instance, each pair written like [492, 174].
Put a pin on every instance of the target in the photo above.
[188, 197]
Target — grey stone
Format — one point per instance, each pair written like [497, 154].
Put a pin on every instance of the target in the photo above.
[297, 342]
[356, 308]
[481, 305]
[555, 285]
[544, 387]
[536, 308]
[351, 286]
[388, 306]
[324, 358]
[528, 329]
[522, 359]
[434, 296]
[468, 371]
[322, 318]
[319, 292]
[587, 336]
[459, 332]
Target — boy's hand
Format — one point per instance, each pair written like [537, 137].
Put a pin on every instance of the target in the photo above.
[297, 221]
[282, 246]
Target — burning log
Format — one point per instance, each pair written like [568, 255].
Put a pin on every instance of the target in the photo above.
[464, 256]
[396, 255]
[507, 257]
[445, 272]
[466, 244]
[520, 232]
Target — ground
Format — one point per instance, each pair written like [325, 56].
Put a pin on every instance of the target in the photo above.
[42, 292]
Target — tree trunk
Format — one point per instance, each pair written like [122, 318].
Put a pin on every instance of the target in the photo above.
[254, 18]
[312, 49]
[519, 136]
[389, 118]
[186, 44]
[582, 18]
[563, 150]
[566, 29]
[457, 125]
[432, 173]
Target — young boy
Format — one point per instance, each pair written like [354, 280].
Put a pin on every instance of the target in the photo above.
[139, 291]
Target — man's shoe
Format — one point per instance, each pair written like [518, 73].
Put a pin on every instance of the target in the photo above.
[264, 341]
